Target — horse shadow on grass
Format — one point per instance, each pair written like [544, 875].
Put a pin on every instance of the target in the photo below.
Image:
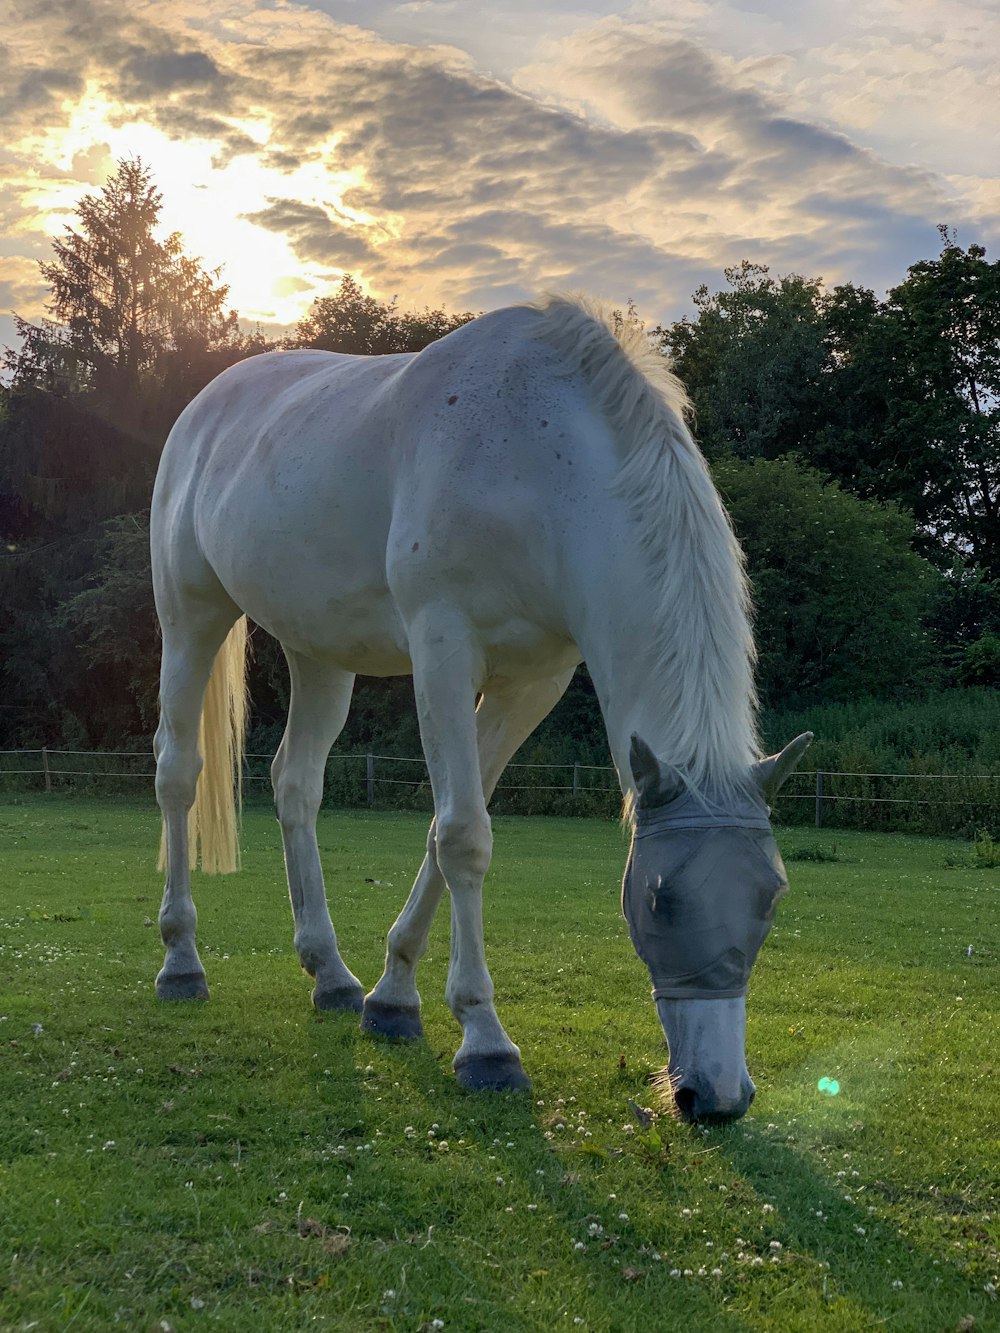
[858, 1267]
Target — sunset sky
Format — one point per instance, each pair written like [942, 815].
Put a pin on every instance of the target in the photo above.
[465, 155]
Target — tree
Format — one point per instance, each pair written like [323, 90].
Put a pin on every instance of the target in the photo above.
[121, 298]
[898, 399]
[838, 591]
[138, 329]
[351, 321]
[944, 427]
[753, 361]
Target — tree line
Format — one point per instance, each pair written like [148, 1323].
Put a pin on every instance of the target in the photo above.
[855, 439]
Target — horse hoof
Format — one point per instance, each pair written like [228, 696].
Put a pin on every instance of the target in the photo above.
[392, 1020]
[339, 997]
[498, 1073]
[182, 986]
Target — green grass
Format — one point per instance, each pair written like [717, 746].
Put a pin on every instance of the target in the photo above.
[249, 1165]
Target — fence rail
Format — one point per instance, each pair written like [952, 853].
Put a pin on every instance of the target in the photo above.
[838, 799]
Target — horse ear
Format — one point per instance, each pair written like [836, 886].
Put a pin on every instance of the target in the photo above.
[772, 774]
[656, 783]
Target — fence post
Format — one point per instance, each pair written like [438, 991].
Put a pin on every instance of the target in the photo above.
[819, 799]
[370, 759]
[576, 779]
[45, 766]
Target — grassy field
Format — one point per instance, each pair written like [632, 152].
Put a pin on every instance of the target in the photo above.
[249, 1165]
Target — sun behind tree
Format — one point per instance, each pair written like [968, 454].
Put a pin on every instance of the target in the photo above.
[123, 300]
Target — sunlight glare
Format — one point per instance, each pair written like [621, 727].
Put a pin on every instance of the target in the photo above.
[204, 198]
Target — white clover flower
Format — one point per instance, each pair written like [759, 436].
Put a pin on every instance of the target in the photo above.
[897, 1285]
[717, 1272]
[775, 1245]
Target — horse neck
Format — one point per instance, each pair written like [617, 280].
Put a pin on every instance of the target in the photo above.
[667, 642]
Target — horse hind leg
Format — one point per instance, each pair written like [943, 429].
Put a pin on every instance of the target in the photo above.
[321, 697]
[190, 643]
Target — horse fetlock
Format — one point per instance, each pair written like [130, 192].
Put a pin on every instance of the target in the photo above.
[177, 925]
[317, 953]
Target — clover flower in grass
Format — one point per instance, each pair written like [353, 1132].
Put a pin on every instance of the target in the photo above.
[897, 1284]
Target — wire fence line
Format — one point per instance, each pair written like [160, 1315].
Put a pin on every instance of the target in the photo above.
[914, 801]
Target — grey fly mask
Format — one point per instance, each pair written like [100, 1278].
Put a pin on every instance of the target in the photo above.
[700, 891]
[702, 882]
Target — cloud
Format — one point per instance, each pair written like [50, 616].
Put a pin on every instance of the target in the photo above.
[632, 159]
[315, 234]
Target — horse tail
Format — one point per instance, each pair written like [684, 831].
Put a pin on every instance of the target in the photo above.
[213, 823]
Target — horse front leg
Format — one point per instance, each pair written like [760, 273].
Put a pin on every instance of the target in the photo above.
[321, 697]
[447, 671]
[504, 719]
[392, 1008]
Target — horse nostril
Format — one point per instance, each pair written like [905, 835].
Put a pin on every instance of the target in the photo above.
[686, 1101]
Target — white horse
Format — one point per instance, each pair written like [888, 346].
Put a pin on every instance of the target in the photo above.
[484, 514]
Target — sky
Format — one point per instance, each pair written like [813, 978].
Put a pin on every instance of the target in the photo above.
[466, 155]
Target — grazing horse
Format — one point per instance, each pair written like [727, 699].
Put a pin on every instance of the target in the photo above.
[483, 514]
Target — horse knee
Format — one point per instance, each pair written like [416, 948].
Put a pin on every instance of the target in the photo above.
[463, 847]
[177, 773]
[296, 799]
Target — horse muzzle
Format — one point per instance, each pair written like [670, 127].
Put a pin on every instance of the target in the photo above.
[697, 1102]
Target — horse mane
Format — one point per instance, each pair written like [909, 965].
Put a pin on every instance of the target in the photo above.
[705, 655]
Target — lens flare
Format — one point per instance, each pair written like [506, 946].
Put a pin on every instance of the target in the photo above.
[830, 1086]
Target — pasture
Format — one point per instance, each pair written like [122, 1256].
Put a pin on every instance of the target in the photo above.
[250, 1165]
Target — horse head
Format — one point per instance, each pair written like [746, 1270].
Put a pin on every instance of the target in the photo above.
[704, 876]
